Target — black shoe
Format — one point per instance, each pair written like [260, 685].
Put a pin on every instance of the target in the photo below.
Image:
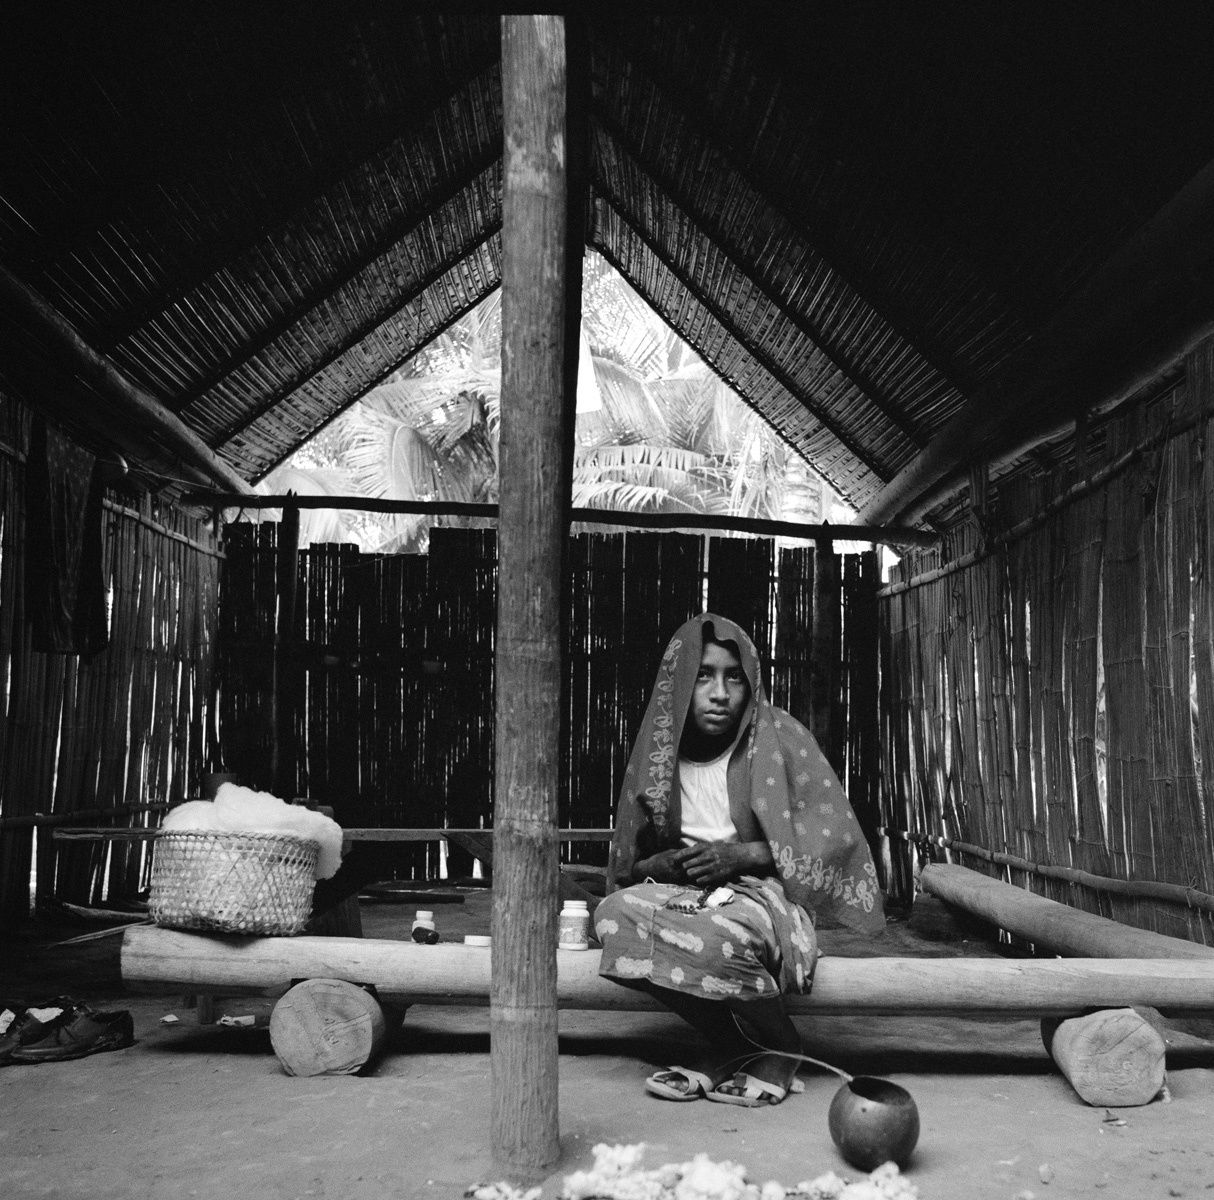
[25, 1027]
[80, 1031]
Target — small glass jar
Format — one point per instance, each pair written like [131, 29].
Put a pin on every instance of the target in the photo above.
[574, 926]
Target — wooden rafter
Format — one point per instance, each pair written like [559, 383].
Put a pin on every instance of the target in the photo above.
[712, 230]
[212, 255]
[364, 330]
[398, 230]
[717, 310]
[389, 367]
[862, 281]
[1148, 304]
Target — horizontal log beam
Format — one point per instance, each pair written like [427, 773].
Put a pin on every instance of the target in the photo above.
[1051, 926]
[893, 535]
[137, 410]
[1147, 307]
[128, 403]
[167, 960]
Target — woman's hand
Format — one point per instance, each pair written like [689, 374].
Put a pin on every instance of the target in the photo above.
[712, 863]
[664, 867]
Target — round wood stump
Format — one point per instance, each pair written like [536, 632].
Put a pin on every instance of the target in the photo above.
[1112, 1057]
[326, 1027]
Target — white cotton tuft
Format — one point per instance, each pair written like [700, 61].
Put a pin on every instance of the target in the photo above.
[194, 816]
[326, 833]
[237, 809]
[243, 810]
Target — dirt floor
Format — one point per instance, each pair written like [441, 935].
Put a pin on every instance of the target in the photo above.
[205, 1111]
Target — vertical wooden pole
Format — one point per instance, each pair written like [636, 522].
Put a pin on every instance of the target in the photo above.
[282, 754]
[532, 530]
[824, 674]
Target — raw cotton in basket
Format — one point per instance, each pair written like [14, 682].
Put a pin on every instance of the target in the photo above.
[194, 816]
[237, 809]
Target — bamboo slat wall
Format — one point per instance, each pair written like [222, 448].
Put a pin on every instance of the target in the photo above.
[125, 729]
[391, 668]
[1050, 702]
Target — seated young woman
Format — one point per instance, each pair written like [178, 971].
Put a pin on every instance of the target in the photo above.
[732, 838]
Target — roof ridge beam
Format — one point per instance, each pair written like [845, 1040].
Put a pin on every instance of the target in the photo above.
[801, 323]
[722, 317]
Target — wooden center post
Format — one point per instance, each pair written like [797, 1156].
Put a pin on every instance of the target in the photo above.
[534, 474]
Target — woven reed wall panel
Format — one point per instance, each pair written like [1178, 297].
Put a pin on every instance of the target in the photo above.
[1054, 700]
[266, 437]
[436, 245]
[661, 288]
[392, 704]
[636, 125]
[125, 728]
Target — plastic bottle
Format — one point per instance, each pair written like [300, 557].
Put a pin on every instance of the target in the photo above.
[574, 926]
[423, 928]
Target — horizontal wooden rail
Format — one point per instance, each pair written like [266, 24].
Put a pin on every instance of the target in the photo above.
[894, 535]
[38, 820]
[168, 960]
[353, 834]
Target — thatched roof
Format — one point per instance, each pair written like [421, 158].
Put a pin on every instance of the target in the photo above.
[872, 219]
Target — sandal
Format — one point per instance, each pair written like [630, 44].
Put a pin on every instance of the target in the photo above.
[698, 1084]
[753, 1091]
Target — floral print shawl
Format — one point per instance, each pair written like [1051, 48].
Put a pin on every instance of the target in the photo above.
[781, 789]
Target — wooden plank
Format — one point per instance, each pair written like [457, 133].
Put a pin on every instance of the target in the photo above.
[169, 960]
[1051, 926]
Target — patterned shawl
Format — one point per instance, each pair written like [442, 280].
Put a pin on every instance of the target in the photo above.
[781, 789]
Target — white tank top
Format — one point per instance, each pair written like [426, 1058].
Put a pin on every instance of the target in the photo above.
[705, 801]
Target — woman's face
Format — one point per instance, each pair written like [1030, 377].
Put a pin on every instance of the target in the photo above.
[721, 691]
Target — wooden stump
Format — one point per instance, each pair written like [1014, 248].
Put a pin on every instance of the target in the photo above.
[1112, 1058]
[326, 1027]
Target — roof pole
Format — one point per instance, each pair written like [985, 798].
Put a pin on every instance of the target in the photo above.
[531, 534]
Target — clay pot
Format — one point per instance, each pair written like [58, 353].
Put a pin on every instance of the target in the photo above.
[873, 1121]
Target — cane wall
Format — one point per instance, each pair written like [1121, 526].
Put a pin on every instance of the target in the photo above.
[109, 739]
[1048, 677]
[387, 675]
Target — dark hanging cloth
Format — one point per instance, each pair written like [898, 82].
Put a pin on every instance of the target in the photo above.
[64, 586]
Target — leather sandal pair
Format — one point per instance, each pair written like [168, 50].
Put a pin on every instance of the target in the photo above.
[751, 1094]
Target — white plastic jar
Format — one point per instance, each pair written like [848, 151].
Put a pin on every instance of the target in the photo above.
[574, 926]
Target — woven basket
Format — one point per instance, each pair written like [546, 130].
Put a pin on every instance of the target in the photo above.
[233, 882]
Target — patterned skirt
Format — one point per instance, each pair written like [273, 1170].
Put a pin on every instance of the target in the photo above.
[757, 945]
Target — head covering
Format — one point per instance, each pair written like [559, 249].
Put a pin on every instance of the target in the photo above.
[781, 789]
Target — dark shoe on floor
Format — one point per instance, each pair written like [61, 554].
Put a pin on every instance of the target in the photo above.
[27, 1026]
[80, 1032]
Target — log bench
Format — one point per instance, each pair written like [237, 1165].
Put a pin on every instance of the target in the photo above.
[1060, 991]
[404, 973]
